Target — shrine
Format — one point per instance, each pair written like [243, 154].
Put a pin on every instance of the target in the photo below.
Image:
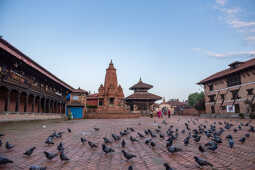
[141, 100]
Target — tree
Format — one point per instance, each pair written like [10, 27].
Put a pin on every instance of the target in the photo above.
[197, 100]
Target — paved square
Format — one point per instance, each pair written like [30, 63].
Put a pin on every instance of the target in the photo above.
[25, 135]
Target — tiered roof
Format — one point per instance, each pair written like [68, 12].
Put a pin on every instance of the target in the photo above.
[141, 85]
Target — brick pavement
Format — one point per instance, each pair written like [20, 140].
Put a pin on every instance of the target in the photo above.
[28, 134]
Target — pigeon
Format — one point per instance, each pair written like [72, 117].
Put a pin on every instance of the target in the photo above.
[229, 137]
[96, 129]
[201, 149]
[153, 144]
[107, 149]
[202, 162]
[92, 145]
[197, 139]
[63, 157]
[50, 156]
[146, 132]
[140, 135]
[59, 135]
[4, 161]
[173, 149]
[161, 136]
[83, 140]
[147, 141]
[231, 143]
[107, 141]
[242, 140]
[130, 167]
[123, 143]
[69, 130]
[133, 139]
[167, 166]
[49, 141]
[115, 137]
[60, 147]
[8, 145]
[186, 141]
[30, 151]
[213, 147]
[247, 135]
[36, 167]
[128, 156]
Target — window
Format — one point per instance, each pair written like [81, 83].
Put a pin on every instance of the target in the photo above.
[101, 102]
[75, 97]
[211, 98]
[222, 97]
[111, 101]
[237, 108]
[211, 87]
[250, 91]
[212, 109]
[233, 80]
[223, 107]
[235, 94]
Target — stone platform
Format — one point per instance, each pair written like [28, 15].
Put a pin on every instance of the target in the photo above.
[16, 117]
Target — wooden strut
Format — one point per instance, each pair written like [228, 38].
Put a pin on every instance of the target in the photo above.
[224, 98]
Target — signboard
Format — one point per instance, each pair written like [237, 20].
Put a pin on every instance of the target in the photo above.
[230, 108]
[75, 97]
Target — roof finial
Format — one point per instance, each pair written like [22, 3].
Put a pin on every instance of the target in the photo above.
[140, 79]
[111, 62]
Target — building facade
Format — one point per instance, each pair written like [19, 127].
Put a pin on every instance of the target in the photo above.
[231, 90]
[25, 86]
[141, 100]
[76, 103]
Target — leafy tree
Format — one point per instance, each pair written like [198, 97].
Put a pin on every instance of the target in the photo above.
[197, 100]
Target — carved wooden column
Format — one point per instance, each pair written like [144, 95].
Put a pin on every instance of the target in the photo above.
[44, 105]
[33, 104]
[39, 104]
[7, 104]
[17, 102]
[26, 103]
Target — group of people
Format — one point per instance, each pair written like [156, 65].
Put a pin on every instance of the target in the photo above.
[164, 112]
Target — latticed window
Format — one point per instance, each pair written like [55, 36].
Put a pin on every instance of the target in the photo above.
[210, 87]
[212, 98]
[250, 91]
[235, 94]
[222, 97]
[233, 80]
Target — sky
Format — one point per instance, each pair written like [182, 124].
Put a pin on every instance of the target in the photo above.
[170, 44]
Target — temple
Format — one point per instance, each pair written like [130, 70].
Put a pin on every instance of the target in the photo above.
[141, 100]
[25, 86]
[110, 97]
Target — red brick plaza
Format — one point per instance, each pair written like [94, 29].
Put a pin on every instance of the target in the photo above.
[25, 135]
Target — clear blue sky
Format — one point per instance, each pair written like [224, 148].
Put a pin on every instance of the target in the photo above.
[171, 44]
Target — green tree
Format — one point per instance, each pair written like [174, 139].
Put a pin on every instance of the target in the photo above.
[197, 100]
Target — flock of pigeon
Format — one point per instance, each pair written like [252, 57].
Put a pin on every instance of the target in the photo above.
[170, 136]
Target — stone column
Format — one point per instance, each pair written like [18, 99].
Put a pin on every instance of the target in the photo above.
[7, 104]
[17, 102]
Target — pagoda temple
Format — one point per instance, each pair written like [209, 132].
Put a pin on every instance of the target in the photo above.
[141, 100]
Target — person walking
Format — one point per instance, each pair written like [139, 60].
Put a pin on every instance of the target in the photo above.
[169, 113]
